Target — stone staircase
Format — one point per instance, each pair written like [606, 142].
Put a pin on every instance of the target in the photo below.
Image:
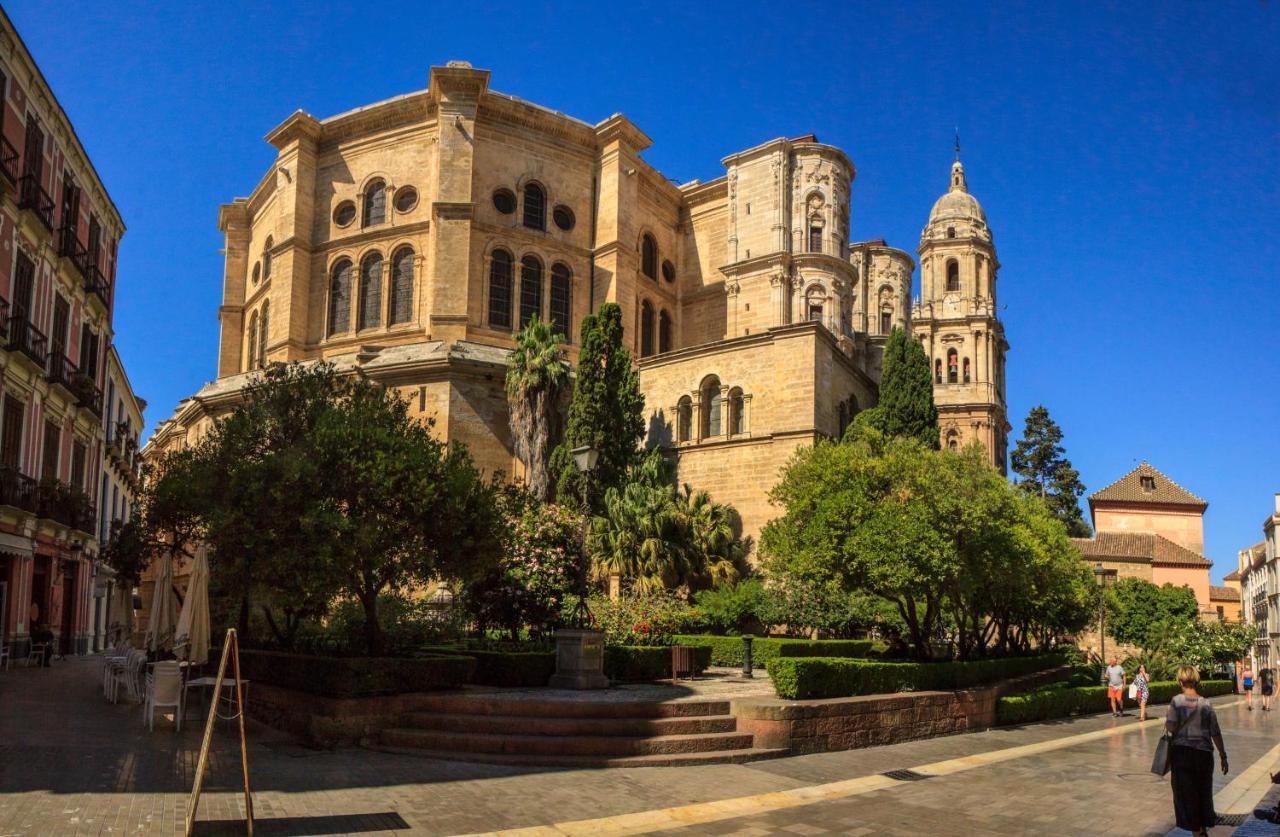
[572, 733]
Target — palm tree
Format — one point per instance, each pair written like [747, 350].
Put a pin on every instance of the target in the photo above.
[537, 378]
[716, 549]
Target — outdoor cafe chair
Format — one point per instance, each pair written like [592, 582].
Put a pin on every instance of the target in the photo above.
[4, 656]
[164, 689]
[36, 654]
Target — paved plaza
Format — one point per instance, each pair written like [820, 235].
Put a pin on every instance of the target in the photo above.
[72, 764]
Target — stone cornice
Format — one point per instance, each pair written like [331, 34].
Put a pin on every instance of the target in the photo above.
[453, 211]
[299, 126]
[618, 128]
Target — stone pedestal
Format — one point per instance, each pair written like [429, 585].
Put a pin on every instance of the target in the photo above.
[579, 660]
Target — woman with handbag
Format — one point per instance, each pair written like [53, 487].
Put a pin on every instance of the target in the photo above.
[1141, 691]
[1193, 731]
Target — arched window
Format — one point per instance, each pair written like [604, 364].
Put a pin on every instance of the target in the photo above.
[951, 232]
[966, 370]
[263, 332]
[530, 289]
[340, 297]
[401, 287]
[649, 256]
[664, 331]
[646, 329]
[953, 275]
[266, 257]
[375, 203]
[736, 404]
[813, 305]
[253, 341]
[937, 371]
[711, 406]
[257, 272]
[886, 321]
[953, 441]
[953, 366]
[684, 419]
[561, 299]
[535, 207]
[815, 236]
[500, 290]
[370, 315]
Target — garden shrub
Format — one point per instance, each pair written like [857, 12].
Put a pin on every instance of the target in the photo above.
[641, 618]
[508, 668]
[346, 677]
[637, 663]
[1059, 700]
[727, 650]
[829, 677]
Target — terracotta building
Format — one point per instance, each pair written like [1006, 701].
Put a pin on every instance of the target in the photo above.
[409, 238]
[60, 232]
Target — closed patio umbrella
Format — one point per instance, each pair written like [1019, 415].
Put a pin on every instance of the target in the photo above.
[192, 635]
[164, 607]
[120, 612]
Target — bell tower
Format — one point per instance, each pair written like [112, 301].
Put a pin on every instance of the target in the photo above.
[956, 321]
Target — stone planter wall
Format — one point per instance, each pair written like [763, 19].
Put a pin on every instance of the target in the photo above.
[817, 726]
[330, 722]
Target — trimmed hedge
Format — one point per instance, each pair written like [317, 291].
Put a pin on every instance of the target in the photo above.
[647, 662]
[727, 650]
[504, 668]
[830, 677]
[346, 677]
[1059, 700]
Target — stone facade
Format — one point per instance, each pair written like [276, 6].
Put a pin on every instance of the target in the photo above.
[408, 239]
[1259, 578]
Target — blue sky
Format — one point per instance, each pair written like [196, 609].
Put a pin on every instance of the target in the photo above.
[1127, 157]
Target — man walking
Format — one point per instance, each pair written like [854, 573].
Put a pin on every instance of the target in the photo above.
[1115, 677]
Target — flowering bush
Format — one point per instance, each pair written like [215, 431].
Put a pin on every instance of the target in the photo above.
[642, 617]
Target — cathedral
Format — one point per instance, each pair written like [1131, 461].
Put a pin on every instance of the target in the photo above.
[409, 238]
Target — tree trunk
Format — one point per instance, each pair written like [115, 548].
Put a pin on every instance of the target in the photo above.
[373, 638]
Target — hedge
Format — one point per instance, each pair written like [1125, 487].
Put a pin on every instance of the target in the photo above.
[830, 677]
[1060, 700]
[727, 650]
[504, 668]
[646, 662]
[345, 677]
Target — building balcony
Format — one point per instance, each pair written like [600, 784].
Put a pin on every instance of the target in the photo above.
[27, 339]
[8, 163]
[65, 504]
[33, 197]
[60, 371]
[69, 248]
[94, 282]
[87, 393]
[17, 490]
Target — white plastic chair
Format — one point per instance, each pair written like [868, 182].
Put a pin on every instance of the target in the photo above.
[4, 656]
[36, 654]
[164, 689]
[129, 675]
[112, 659]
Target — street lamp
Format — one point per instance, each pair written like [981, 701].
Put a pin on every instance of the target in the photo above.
[1103, 575]
[580, 647]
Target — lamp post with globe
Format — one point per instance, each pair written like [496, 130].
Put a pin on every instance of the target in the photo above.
[580, 647]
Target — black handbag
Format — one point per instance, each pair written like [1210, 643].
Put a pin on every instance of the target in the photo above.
[1160, 763]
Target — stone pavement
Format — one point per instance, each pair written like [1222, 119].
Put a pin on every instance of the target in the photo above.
[72, 764]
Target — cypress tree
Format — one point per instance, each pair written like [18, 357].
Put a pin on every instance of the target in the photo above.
[607, 410]
[906, 405]
[1040, 460]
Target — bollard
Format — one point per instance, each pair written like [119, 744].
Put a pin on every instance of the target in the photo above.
[746, 656]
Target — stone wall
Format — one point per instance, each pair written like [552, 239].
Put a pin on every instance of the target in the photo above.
[329, 722]
[818, 726]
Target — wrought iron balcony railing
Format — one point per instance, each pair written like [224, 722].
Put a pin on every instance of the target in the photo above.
[94, 282]
[8, 161]
[69, 246]
[28, 339]
[32, 196]
[17, 489]
[87, 393]
[65, 504]
[60, 370]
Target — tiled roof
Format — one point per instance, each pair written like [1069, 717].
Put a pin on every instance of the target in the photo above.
[1137, 546]
[1224, 594]
[1234, 575]
[1158, 488]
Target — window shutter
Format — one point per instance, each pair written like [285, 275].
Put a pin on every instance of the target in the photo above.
[11, 434]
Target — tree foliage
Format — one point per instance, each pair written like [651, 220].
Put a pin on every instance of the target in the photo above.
[1040, 460]
[607, 411]
[906, 405]
[1149, 616]
[938, 535]
[537, 379]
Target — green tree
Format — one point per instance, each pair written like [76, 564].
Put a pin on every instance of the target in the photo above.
[537, 379]
[1040, 460]
[1149, 616]
[607, 411]
[906, 405]
[1209, 644]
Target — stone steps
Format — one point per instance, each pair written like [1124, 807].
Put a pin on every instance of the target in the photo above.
[596, 727]
[664, 760]
[566, 745]
[494, 703]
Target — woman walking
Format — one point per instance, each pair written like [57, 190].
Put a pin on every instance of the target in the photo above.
[1194, 726]
[1141, 691]
[1268, 687]
[1247, 679]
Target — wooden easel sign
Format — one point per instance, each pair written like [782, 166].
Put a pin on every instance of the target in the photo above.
[232, 642]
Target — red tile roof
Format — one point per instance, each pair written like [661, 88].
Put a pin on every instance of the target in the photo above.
[1139, 546]
[1224, 594]
[1158, 489]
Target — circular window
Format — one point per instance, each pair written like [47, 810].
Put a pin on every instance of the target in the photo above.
[669, 271]
[406, 198]
[257, 271]
[504, 200]
[563, 216]
[344, 214]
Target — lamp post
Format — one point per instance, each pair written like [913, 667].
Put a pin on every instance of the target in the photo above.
[580, 647]
[1103, 575]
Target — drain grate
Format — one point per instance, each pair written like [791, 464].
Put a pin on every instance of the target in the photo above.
[1233, 819]
[906, 775]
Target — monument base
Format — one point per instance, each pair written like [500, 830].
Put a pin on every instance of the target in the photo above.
[579, 660]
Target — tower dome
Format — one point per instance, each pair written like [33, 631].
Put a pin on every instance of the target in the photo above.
[957, 212]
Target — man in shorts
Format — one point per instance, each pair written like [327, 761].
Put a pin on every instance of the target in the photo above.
[1115, 677]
